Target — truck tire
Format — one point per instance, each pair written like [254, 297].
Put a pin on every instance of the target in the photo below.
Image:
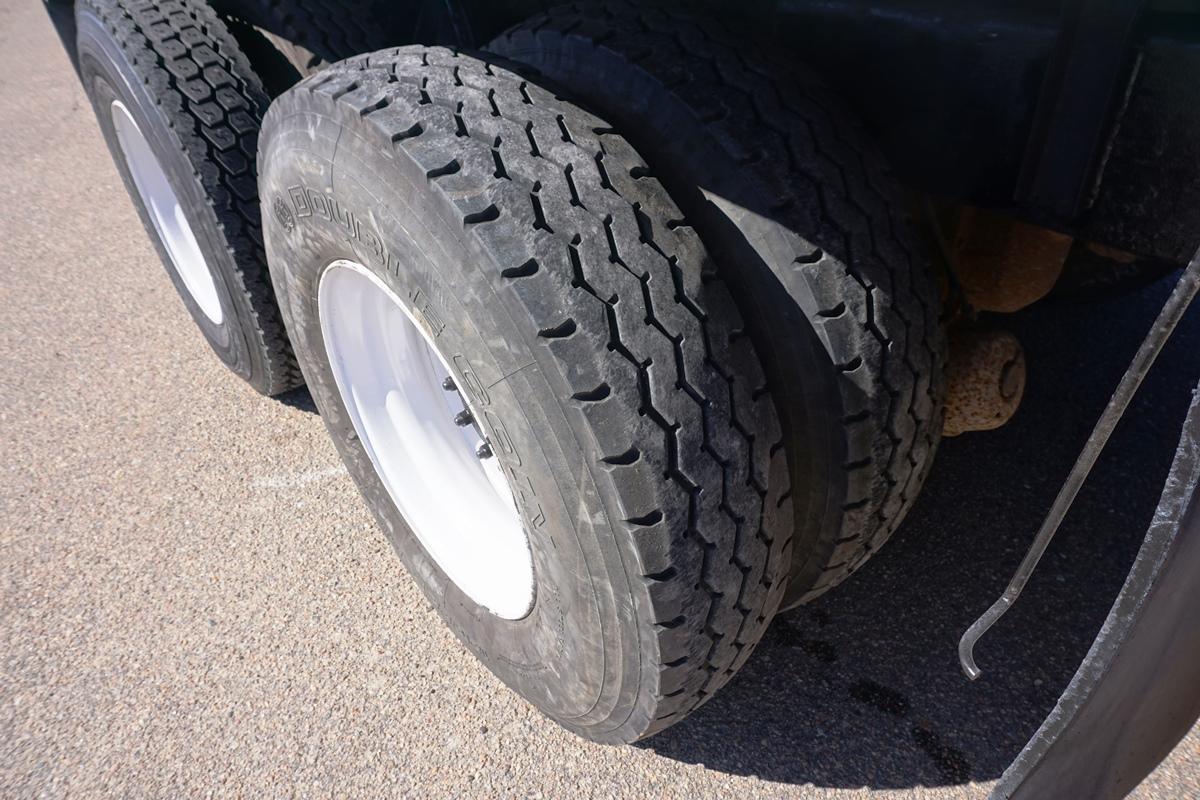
[180, 108]
[802, 217]
[564, 310]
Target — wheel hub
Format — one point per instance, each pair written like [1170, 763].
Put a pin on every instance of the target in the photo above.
[424, 439]
[165, 212]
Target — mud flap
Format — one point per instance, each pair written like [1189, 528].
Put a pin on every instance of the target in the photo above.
[1137, 692]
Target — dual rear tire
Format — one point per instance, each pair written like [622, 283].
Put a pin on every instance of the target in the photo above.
[609, 434]
[807, 227]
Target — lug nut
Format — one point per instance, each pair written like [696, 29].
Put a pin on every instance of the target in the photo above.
[483, 451]
[448, 384]
[463, 418]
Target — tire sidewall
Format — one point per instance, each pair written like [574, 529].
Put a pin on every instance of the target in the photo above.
[384, 216]
[107, 74]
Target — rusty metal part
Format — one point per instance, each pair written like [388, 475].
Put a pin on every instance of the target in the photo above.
[1003, 264]
[1111, 253]
[1172, 311]
[985, 380]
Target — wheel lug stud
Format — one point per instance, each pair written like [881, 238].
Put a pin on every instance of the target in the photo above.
[463, 418]
[483, 451]
[448, 384]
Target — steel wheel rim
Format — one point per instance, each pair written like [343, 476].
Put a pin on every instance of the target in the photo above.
[165, 211]
[391, 379]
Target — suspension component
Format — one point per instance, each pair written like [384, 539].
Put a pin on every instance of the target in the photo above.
[985, 380]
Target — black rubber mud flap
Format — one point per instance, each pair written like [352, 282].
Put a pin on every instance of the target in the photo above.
[1137, 692]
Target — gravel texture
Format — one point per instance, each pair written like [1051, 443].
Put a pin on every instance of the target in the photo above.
[194, 601]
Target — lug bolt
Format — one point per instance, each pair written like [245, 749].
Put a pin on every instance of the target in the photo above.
[483, 451]
[448, 384]
[463, 418]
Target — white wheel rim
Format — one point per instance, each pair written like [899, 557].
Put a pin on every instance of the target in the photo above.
[390, 376]
[163, 206]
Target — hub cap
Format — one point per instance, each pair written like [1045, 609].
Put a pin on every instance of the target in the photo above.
[424, 439]
[163, 206]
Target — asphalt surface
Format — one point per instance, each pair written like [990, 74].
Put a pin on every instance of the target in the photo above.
[195, 601]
